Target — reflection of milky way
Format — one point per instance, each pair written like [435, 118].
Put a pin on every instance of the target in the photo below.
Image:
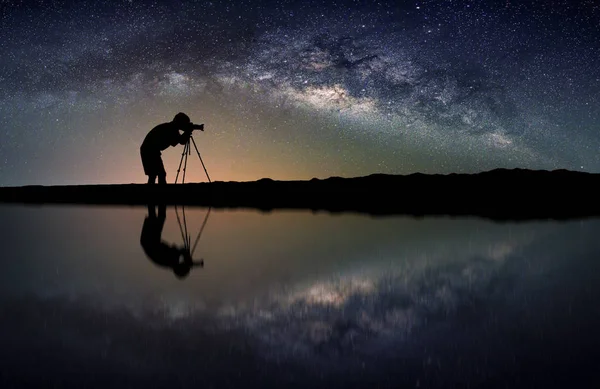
[369, 312]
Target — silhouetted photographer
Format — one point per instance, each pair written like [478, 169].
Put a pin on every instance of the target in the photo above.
[176, 258]
[161, 137]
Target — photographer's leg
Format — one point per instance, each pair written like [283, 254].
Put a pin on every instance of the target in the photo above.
[162, 174]
[151, 211]
[148, 164]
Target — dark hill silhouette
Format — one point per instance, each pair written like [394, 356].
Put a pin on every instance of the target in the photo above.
[501, 194]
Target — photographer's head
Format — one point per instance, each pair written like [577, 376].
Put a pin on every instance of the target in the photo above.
[182, 121]
[181, 270]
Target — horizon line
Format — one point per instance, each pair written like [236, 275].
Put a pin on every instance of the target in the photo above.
[564, 170]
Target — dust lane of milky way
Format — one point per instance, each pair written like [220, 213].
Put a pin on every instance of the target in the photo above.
[298, 89]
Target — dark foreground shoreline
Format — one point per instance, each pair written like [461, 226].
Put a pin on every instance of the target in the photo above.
[500, 194]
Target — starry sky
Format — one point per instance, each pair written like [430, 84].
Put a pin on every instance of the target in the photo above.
[298, 89]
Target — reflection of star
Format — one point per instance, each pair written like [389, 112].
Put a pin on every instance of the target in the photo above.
[374, 307]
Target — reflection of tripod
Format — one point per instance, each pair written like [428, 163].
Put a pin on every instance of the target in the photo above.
[187, 242]
[187, 151]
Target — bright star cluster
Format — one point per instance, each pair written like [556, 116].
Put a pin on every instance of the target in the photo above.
[298, 89]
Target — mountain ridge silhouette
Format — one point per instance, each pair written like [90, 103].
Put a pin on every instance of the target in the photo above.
[499, 194]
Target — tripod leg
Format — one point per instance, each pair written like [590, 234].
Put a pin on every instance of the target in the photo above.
[187, 235]
[196, 147]
[200, 233]
[186, 159]
[182, 154]
[180, 226]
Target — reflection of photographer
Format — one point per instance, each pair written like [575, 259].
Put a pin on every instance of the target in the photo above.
[161, 137]
[176, 258]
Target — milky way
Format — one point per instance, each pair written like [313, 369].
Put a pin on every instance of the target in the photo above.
[294, 90]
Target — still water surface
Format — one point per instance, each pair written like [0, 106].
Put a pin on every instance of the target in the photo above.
[296, 299]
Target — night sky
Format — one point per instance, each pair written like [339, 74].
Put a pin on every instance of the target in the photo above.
[298, 89]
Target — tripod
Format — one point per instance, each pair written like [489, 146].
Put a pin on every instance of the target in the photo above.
[187, 151]
[185, 235]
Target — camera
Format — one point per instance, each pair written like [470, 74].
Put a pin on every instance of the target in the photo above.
[198, 127]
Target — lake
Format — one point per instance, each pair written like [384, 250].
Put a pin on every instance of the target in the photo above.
[294, 299]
